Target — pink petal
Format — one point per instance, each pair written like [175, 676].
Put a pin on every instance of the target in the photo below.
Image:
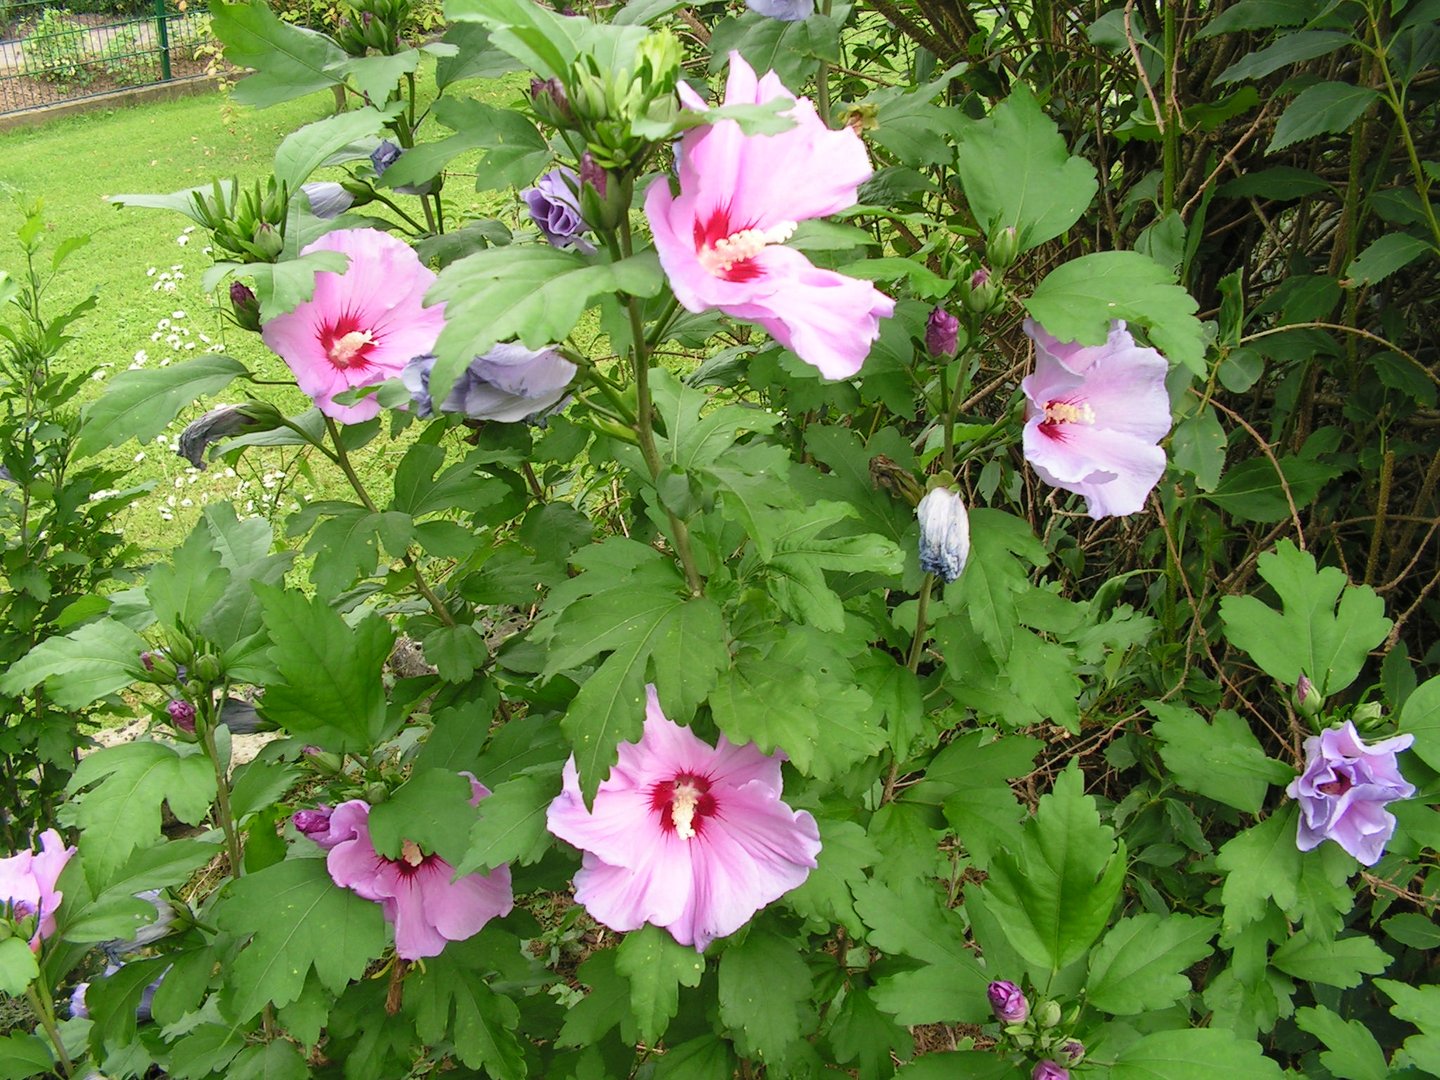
[657, 887]
[1114, 471]
[621, 824]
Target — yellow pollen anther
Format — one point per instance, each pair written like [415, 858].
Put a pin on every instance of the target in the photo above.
[410, 853]
[682, 809]
[1063, 412]
[345, 349]
[745, 244]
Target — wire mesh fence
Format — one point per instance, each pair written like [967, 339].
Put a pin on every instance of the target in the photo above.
[63, 50]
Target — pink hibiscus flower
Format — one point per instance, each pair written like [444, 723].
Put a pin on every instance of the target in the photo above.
[687, 836]
[27, 884]
[415, 891]
[361, 326]
[721, 241]
[1094, 415]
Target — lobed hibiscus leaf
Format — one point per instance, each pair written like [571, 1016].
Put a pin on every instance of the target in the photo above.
[1326, 627]
[531, 294]
[1078, 300]
[1351, 1050]
[296, 919]
[1195, 1054]
[1140, 964]
[511, 828]
[1054, 895]
[1222, 760]
[138, 404]
[1018, 174]
[97, 659]
[453, 1005]
[656, 966]
[764, 994]
[305, 150]
[128, 784]
[289, 61]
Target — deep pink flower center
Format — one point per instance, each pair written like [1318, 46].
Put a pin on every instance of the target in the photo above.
[412, 860]
[683, 804]
[728, 252]
[1067, 412]
[346, 343]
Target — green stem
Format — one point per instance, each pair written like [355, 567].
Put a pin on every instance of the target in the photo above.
[44, 1009]
[948, 420]
[1396, 100]
[917, 643]
[342, 459]
[207, 722]
[822, 79]
[1171, 133]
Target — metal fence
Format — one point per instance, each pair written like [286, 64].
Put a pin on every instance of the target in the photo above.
[63, 50]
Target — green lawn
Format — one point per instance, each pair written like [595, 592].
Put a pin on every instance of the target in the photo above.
[149, 311]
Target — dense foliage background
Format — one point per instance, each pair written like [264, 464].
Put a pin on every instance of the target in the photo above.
[1065, 770]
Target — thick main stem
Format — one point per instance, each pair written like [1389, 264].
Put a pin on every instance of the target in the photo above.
[222, 788]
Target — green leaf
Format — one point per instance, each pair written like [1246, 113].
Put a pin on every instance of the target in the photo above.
[184, 590]
[656, 966]
[17, 966]
[138, 404]
[1420, 1005]
[1194, 1054]
[456, 652]
[1222, 761]
[764, 984]
[1078, 299]
[1289, 49]
[788, 48]
[1383, 257]
[1420, 717]
[845, 852]
[1198, 442]
[606, 1005]
[1312, 636]
[331, 693]
[1055, 894]
[476, 58]
[483, 1030]
[511, 828]
[514, 151]
[862, 1035]
[531, 294]
[306, 149]
[23, 1055]
[112, 1000]
[278, 1060]
[122, 812]
[290, 62]
[961, 1065]
[1353, 1053]
[433, 809]
[82, 667]
[1017, 172]
[376, 76]
[299, 919]
[1341, 962]
[1325, 108]
[1262, 864]
[1140, 964]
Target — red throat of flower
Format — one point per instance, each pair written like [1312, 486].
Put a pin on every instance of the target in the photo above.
[729, 253]
[347, 345]
[683, 805]
[1058, 415]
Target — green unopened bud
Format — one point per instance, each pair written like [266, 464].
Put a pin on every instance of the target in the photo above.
[207, 669]
[159, 668]
[179, 646]
[376, 793]
[1047, 1014]
[1368, 716]
[358, 190]
[267, 241]
[657, 64]
[862, 118]
[1003, 248]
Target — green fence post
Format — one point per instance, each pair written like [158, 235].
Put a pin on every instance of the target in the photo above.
[162, 30]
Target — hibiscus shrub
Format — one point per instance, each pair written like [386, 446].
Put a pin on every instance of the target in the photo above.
[854, 594]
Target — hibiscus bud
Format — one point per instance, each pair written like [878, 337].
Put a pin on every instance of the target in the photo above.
[942, 333]
[159, 668]
[551, 104]
[1007, 1002]
[980, 292]
[944, 543]
[244, 306]
[1049, 1070]
[323, 760]
[555, 208]
[267, 241]
[1306, 698]
[1073, 1051]
[592, 174]
[312, 823]
[182, 715]
[862, 118]
[147, 661]
[1003, 248]
[1368, 716]
[1047, 1014]
[207, 668]
[327, 198]
[376, 793]
[657, 66]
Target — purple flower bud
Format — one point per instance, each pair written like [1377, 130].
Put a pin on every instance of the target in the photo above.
[1307, 698]
[147, 660]
[980, 278]
[1344, 789]
[548, 97]
[182, 715]
[591, 173]
[387, 154]
[942, 333]
[1007, 1002]
[555, 209]
[244, 306]
[314, 824]
[327, 198]
[1049, 1070]
[1073, 1050]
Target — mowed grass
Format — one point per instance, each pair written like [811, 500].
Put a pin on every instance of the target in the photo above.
[146, 270]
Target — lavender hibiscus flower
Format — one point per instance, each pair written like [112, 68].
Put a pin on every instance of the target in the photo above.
[1344, 789]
